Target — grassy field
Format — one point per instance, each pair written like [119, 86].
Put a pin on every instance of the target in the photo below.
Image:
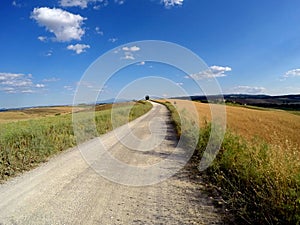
[272, 126]
[26, 143]
[257, 170]
[35, 113]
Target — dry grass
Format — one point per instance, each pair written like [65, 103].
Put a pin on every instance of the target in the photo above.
[257, 169]
[32, 113]
[273, 126]
[41, 112]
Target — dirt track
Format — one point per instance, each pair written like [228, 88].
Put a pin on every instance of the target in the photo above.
[66, 190]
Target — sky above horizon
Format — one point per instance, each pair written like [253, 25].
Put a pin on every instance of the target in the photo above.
[250, 47]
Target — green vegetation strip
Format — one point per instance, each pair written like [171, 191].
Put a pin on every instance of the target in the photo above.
[24, 144]
[259, 182]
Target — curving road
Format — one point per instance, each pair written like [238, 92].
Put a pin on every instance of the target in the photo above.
[68, 190]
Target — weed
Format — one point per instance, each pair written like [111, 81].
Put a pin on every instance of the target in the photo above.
[259, 179]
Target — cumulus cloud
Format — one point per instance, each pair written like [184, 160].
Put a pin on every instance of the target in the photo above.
[248, 90]
[64, 25]
[17, 83]
[128, 52]
[172, 3]
[220, 69]
[78, 48]
[292, 73]
[212, 72]
[15, 80]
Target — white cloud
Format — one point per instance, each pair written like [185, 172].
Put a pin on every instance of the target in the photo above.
[212, 72]
[99, 31]
[90, 86]
[15, 80]
[141, 63]
[40, 85]
[220, 69]
[248, 90]
[52, 79]
[65, 25]
[292, 73]
[49, 53]
[131, 49]
[69, 88]
[113, 40]
[128, 55]
[172, 3]
[78, 48]
[128, 52]
[42, 38]
[17, 83]
[27, 91]
[120, 2]
[15, 4]
[8, 89]
[102, 3]
[71, 3]
[83, 3]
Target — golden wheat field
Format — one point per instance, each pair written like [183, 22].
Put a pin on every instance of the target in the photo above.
[273, 126]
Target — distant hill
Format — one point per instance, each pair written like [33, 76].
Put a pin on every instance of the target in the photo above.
[112, 100]
[107, 101]
[291, 102]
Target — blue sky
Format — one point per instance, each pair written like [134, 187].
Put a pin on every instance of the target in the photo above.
[46, 46]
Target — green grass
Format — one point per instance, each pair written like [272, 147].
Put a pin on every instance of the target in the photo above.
[25, 144]
[259, 181]
[294, 112]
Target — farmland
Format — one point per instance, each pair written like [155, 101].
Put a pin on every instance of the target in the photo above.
[35, 113]
[258, 166]
[272, 126]
[26, 143]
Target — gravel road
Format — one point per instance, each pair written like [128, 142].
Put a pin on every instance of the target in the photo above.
[67, 190]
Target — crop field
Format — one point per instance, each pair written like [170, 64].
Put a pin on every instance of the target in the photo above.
[257, 170]
[34, 113]
[273, 126]
[26, 143]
